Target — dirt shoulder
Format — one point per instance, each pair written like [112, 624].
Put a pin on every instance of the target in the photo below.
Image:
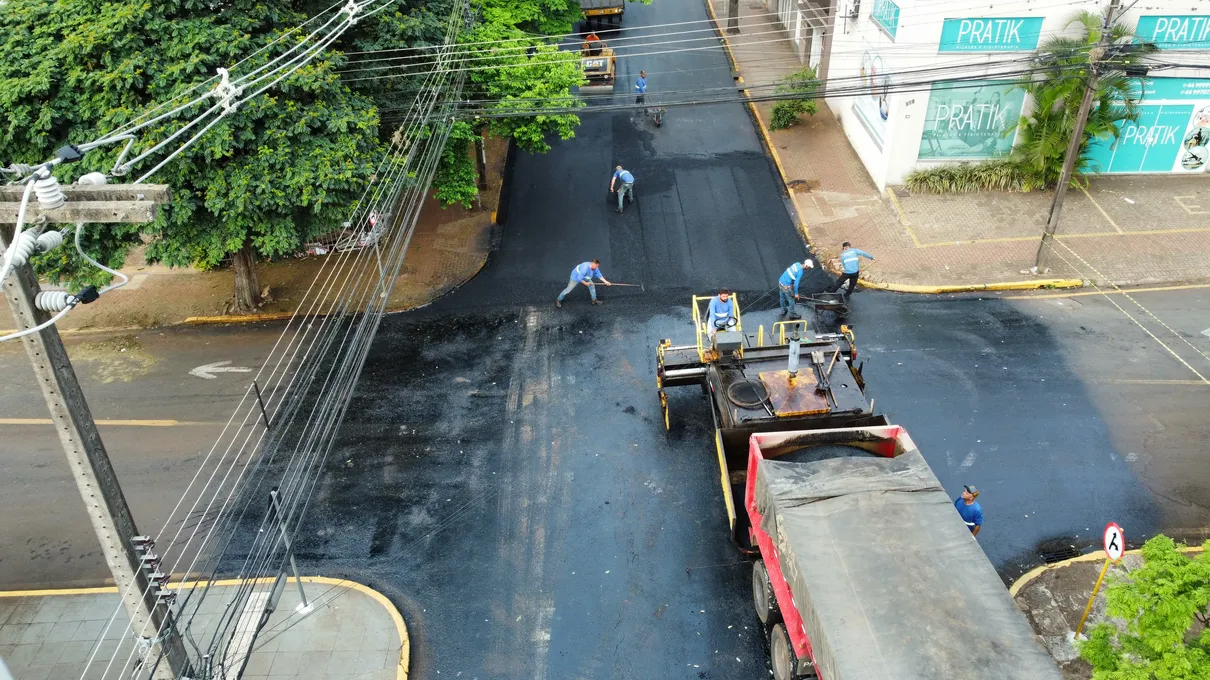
[448, 248]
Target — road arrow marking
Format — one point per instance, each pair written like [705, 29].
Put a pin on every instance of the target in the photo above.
[207, 372]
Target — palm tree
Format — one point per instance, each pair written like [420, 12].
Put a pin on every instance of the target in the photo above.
[1063, 66]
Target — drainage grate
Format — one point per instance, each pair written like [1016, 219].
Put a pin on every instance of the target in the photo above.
[1058, 554]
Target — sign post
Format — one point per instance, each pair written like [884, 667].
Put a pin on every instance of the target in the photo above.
[1115, 547]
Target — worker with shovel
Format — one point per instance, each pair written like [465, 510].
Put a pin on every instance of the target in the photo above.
[787, 286]
[625, 188]
[584, 273]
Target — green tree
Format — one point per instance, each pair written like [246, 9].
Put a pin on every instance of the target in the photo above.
[1164, 607]
[805, 86]
[281, 169]
[1065, 64]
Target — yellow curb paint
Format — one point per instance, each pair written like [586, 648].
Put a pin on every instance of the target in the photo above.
[1153, 289]
[903, 218]
[401, 671]
[1090, 557]
[973, 287]
[239, 318]
[1102, 211]
[115, 423]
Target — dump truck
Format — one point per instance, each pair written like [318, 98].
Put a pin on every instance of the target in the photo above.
[603, 13]
[865, 569]
[861, 566]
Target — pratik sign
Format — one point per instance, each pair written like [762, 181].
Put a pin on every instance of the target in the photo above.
[1191, 32]
[1000, 34]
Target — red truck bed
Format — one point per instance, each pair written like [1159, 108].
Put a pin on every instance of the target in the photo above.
[874, 573]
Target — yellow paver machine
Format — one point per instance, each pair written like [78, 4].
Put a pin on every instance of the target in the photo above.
[788, 377]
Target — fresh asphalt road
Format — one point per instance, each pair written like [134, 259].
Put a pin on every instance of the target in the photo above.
[504, 475]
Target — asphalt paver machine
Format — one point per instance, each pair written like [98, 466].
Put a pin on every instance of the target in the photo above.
[793, 375]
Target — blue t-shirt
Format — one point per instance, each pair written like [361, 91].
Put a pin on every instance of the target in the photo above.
[792, 276]
[585, 272]
[720, 311]
[640, 85]
[625, 176]
[971, 514]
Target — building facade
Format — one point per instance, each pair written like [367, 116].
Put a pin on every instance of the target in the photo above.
[920, 83]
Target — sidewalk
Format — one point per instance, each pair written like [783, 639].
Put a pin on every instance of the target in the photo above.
[1125, 230]
[349, 632]
[447, 249]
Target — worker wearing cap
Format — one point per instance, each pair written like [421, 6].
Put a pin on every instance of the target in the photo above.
[788, 286]
[850, 263]
[969, 510]
[583, 274]
[626, 187]
[719, 312]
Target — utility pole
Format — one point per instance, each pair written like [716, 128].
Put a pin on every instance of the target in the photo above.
[128, 555]
[1077, 137]
[733, 16]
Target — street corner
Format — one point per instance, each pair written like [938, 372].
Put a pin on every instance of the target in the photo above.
[384, 643]
[1054, 598]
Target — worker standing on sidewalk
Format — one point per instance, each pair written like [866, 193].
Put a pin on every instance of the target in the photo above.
[584, 273]
[626, 187]
[850, 263]
[971, 512]
[787, 286]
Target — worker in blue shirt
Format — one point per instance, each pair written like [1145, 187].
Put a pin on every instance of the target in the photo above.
[720, 312]
[583, 274]
[788, 286]
[640, 90]
[969, 510]
[626, 188]
[850, 263]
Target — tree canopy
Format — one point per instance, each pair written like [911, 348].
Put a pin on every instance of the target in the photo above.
[1163, 605]
[280, 169]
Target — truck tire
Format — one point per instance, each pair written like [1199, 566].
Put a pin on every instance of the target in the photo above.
[781, 654]
[763, 597]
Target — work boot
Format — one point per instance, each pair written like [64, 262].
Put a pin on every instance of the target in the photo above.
[618, 210]
[559, 304]
[597, 302]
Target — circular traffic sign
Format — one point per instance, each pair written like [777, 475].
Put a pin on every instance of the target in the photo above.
[1115, 542]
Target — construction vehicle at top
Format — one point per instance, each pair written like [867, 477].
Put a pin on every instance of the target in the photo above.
[599, 65]
[603, 13]
[861, 567]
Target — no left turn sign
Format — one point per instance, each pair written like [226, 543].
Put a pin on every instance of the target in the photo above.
[1115, 542]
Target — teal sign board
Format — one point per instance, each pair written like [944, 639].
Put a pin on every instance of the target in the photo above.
[1188, 32]
[886, 15]
[999, 34]
[1172, 133]
[969, 120]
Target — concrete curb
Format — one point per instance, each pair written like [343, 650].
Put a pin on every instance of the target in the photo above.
[972, 287]
[405, 649]
[1090, 557]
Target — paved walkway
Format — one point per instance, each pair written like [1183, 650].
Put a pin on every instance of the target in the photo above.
[1124, 230]
[349, 632]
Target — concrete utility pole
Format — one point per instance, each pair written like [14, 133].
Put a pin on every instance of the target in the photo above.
[128, 555]
[1077, 137]
[733, 16]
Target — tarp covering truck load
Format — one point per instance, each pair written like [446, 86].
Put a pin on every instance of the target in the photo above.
[862, 568]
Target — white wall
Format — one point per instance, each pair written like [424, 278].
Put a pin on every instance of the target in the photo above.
[914, 50]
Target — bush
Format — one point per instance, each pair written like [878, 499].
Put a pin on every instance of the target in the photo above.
[1163, 605]
[997, 175]
[787, 111]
